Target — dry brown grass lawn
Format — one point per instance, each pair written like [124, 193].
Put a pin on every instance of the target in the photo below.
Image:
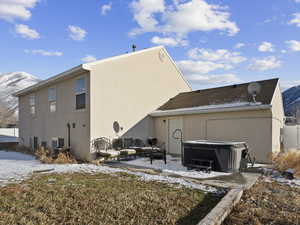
[267, 204]
[101, 199]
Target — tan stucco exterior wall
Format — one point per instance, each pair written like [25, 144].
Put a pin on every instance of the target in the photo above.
[277, 120]
[253, 127]
[46, 125]
[126, 90]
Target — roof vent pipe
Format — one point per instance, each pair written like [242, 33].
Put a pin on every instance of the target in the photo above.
[133, 48]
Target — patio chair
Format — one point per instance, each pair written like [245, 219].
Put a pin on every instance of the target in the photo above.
[138, 145]
[128, 142]
[158, 152]
[102, 146]
[125, 153]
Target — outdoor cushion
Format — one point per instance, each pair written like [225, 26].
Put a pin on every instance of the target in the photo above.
[128, 151]
[109, 153]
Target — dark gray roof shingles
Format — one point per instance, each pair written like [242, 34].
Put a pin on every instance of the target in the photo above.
[222, 95]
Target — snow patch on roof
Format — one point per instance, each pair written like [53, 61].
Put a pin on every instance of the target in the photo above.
[216, 106]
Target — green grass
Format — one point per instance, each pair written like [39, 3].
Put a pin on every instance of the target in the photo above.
[101, 199]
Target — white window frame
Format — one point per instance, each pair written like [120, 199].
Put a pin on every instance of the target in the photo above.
[81, 91]
[52, 99]
[32, 104]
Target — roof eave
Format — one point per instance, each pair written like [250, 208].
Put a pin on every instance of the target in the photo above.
[161, 113]
[51, 80]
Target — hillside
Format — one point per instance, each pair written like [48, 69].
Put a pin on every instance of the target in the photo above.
[291, 100]
[10, 83]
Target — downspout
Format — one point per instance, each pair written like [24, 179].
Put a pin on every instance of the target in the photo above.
[69, 134]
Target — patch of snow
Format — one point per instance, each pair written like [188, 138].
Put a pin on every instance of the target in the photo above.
[293, 102]
[274, 175]
[173, 166]
[282, 180]
[11, 83]
[16, 167]
[214, 106]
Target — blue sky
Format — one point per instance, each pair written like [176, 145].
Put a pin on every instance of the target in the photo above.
[214, 42]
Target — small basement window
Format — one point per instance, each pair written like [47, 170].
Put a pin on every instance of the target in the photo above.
[80, 93]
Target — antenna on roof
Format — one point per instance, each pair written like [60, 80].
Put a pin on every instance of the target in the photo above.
[254, 89]
[133, 47]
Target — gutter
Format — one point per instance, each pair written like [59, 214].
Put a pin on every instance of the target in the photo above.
[51, 80]
[192, 111]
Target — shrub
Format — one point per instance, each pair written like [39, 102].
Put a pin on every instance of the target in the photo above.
[45, 156]
[288, 160]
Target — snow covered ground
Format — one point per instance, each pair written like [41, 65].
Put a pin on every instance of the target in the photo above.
[173, 166]
[15, 167]
[274, 175]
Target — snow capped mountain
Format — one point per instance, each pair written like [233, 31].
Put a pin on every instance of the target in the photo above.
[291, 100]
[12, 82]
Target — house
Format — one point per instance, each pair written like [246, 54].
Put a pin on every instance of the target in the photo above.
[143, 94]
[83, 103]
[225, 114]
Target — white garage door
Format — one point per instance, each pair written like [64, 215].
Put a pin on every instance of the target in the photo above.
[256, 132]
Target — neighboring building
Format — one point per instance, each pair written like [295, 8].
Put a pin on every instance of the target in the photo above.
[298, 116]
[225, 113]
[85, 101]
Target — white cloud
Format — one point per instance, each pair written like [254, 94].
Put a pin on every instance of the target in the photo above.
[43, 52]
[88, 58]
[293, 45]
[168, 41]
[144, 12]
[220, 55]
[266, 47]
[239, 45]
[285, 84]
[181, 17]
[267, 63]
[298, 1]
[206, 79]
[26, 32]
[295, 20]
[76, 33]
[16, 9]
[190, 67]
[106, 8]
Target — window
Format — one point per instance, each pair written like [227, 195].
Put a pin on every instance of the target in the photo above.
[80, 90]
[52, 99]
[80, 101]
[80, 85]
[32, 104]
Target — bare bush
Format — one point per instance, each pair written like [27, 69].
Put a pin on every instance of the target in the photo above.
[46, 156]
[288, 160]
